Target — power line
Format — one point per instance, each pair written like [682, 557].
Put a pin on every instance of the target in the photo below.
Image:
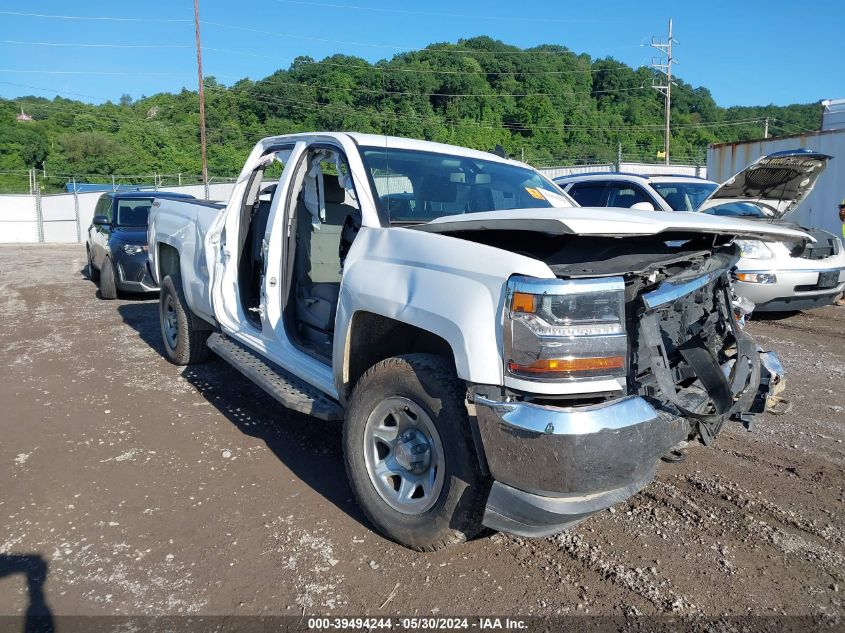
[396, 47]
[441, 14]
[80, 45]
[89, 72]
[455, 95]
[56, 92]
[288, 35]
[416, 69]
[656, 126]
[91, 17]
[309, 105]
[375, 68]
[586, 93]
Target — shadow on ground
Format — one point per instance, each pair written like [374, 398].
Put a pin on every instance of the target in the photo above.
[310, 448]
[773, 316]
[38, 617]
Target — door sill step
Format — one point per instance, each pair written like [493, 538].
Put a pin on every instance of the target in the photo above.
[289, 390]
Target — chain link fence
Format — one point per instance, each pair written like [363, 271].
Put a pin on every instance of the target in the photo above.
[64, 217]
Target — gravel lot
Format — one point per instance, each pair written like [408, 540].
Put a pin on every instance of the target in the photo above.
[130, 486]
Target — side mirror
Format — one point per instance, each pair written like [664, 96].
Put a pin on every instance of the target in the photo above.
[643, 206]
[101, 220]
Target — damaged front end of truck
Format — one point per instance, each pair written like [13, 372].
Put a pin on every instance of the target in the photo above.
[643, 338]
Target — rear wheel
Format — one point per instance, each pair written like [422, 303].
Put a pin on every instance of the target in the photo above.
[108, 286]
[409, 454]
[185, 335]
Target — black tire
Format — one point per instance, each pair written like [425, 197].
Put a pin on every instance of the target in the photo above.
[191, 332]
[93, 273]
[431, 384]
[108, 285]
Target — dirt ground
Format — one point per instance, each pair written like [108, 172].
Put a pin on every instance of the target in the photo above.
[131, 486]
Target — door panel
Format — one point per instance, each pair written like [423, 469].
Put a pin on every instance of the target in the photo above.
[224, 242]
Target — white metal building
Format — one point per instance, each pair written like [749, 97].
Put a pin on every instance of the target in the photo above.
[819, 210]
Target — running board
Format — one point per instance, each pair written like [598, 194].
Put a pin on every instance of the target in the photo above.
[292, 392]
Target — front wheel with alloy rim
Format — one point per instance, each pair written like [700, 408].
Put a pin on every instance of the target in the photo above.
[409, 453]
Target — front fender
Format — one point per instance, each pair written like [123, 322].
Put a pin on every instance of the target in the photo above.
[450, 287]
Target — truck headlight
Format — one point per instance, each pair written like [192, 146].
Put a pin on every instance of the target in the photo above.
[559, 330]
[134, 249]
[754, 249]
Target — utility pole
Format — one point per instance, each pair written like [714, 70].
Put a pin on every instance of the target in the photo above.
[201, 94]
[665, 89]
[766, 128]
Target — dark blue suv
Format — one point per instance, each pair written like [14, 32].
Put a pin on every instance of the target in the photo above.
[117, 241]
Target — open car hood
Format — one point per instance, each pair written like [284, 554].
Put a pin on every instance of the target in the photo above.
[777, 183]
[609, 222]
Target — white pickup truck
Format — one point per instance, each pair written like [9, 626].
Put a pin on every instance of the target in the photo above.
[497, 355]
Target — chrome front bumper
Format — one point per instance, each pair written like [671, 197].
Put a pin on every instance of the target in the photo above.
[555, 466]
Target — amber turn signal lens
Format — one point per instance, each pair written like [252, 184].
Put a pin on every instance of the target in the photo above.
[756, 278]
[569, 365]
[523, 302]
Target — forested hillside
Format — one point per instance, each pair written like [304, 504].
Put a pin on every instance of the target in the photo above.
[548, 104]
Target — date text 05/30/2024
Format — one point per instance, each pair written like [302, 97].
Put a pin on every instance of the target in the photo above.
[417, 623]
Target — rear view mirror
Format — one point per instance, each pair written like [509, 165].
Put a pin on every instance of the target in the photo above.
[101, 220]
[643, 206]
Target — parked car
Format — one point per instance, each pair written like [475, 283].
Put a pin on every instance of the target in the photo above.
[116, 244]
[787, 275]
[779, 276]
[497, 356]
[638, 191]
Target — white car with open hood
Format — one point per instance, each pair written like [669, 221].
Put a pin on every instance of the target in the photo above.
[775, 276]
[496, 356]
[787, 275]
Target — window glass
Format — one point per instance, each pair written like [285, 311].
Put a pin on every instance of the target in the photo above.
[625, 195]
[684, 196]
[738, 210]
[133, 212]
[103, 207]
[418, 186]
[588, 194]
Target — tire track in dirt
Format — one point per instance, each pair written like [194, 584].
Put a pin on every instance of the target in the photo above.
[637, 580]
[755, 508]
[727, 513]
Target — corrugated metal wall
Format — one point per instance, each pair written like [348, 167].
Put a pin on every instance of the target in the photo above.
[819, 210]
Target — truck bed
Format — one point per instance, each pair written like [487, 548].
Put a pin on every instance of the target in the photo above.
[184, 225]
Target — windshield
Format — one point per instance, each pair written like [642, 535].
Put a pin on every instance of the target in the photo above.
[133, 212]
[738, 210]
[417, 186]
[684, 196]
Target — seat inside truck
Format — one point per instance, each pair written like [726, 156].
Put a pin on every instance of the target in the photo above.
[325, 210]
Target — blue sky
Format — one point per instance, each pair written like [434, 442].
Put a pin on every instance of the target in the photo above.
[746, 53]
